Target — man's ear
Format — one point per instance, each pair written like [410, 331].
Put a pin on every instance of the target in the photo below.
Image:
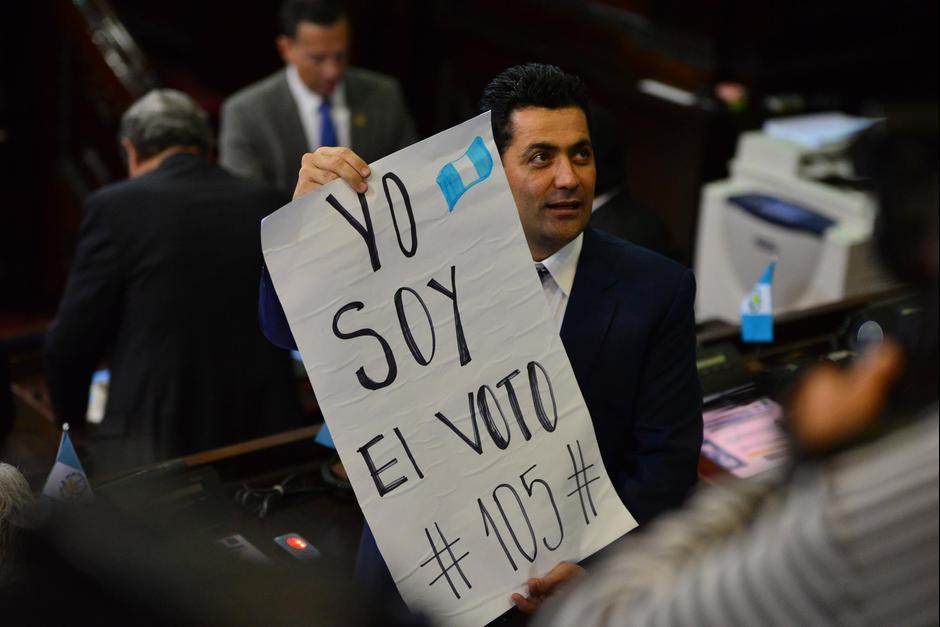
[284, 48]
[133, 160]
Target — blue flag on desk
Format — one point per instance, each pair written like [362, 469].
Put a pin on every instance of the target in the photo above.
[757, 319]
[67, 480]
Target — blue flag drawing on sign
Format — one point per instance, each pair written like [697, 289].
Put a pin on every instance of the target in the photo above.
[67, 481]
[459, 175]
[757, 320]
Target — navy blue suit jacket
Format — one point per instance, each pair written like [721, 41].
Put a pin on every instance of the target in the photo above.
[629, 331]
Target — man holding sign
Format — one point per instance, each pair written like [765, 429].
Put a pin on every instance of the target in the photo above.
[624, 313]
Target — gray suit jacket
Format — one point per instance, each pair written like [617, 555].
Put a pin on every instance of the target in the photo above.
[263, 138]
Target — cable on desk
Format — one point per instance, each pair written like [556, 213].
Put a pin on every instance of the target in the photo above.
[260, 501]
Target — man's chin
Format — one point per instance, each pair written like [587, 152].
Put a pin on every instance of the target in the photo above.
[557, 238]
[567, 220]
[325, 91]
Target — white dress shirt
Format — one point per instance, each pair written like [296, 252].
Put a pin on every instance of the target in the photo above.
[561, 267]
[308, 105]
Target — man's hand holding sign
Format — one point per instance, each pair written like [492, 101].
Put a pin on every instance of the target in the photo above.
[439, 369]
[328, 164]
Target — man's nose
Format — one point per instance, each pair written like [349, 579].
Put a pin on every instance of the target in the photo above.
[333, 69]
[565, 175]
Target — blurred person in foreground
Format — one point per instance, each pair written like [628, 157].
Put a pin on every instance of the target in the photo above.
[140, 556]
[15, 500]
[164, 286]
[849, 535]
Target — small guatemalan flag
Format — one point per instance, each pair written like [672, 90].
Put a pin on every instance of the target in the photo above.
[757, 320]
[67, 481]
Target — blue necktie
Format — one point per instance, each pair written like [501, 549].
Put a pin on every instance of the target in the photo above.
[327, 130]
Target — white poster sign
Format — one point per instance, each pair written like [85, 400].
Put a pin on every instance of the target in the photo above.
[425, 333]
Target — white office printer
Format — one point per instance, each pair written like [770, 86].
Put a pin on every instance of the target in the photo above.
[776, 205]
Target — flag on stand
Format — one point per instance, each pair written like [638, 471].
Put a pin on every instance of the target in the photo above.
[67, 481]
[757, 319]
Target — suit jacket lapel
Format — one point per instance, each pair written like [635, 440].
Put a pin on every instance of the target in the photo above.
[591, 306]
[287, 121]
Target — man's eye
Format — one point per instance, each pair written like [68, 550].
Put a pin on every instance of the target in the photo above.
[539, 157]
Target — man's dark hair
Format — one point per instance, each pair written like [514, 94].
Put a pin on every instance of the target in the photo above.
[320, 12]
[165, 118]
[530, 85]
[899, 157]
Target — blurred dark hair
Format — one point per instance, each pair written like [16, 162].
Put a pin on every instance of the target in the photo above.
[899, 159]
[320, 12]
[530, 85]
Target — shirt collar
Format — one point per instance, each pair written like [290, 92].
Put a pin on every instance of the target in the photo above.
[309, 100]
[564, 263]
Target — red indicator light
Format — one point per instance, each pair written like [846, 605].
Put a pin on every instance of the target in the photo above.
[296, 543]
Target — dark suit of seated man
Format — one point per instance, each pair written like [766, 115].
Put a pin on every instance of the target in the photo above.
[625, 313]
[164, 284]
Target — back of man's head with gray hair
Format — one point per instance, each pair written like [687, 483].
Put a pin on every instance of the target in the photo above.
[165, 118]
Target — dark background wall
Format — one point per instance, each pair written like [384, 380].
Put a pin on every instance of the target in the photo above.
[61, 93]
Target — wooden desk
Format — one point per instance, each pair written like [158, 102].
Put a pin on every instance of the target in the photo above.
[330, 520]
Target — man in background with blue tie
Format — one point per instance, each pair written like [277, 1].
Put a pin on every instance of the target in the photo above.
[317, 100]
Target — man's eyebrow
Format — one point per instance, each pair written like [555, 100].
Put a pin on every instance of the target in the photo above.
[584, 143]
[540, 146]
